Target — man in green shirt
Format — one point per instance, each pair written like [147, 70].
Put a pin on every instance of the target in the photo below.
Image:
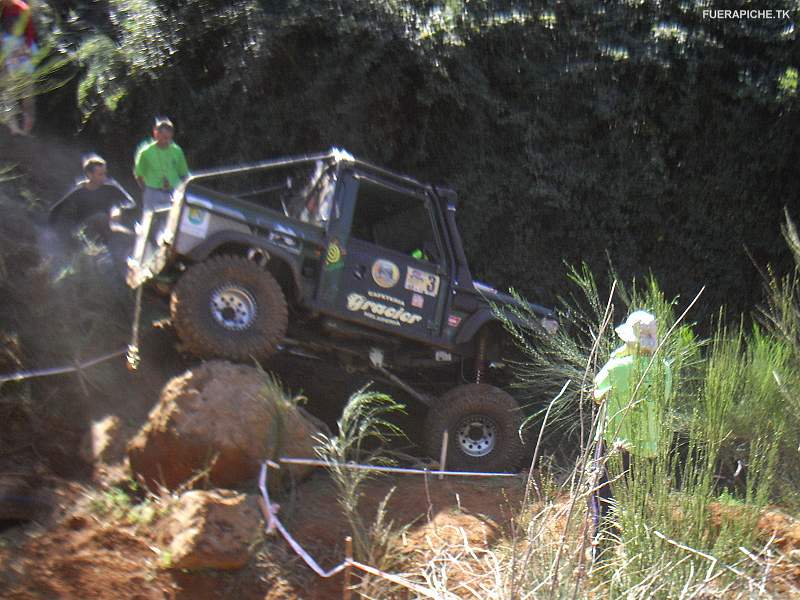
[629, 424]
[160, 166]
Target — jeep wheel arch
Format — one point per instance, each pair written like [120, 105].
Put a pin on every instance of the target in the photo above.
[282, 263]
[484, 317]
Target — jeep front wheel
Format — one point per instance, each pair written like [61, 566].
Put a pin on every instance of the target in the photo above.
[483, 424]
[229, 307]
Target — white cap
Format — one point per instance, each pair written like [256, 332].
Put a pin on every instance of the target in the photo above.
[640, 328]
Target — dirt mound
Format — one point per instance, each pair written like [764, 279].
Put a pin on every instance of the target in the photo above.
[223, 417]
[211, 530]
[88, 554]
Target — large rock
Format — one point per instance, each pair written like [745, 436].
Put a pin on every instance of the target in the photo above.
[210, 530]
[224, 415]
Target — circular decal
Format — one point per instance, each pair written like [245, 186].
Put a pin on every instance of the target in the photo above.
[334, 254]
[385, 273]
[196, 216]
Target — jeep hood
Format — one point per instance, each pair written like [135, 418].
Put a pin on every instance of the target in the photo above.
[491, 295]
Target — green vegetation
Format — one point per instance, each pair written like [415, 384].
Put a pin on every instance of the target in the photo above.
[730, 432]
[362, 431]
[119, 505]
[643, 130]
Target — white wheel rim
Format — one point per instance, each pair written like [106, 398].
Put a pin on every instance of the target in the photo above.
[476, 435]
[233, 307]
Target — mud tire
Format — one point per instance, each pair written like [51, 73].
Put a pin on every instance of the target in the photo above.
[482, 403]
[203, 335]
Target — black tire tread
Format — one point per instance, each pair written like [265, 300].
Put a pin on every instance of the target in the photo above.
[193, 322]
[476, 398]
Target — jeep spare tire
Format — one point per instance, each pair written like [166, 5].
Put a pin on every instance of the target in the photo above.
[229, 307]
[483, 424]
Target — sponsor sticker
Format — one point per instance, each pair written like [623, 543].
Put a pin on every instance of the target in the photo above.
[195, 221]
[454, 321]
[385, 273]
[334, 256]
[383, 313]
[385, 298]
[422, 282]
[417, 301]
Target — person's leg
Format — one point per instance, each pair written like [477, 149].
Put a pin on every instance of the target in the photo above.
[155, 199]
[13, 124]
[28, 114]
[600, 501]
[148, 201]
[119, 245]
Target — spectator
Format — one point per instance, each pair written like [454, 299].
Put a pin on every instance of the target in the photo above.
[160, 166]
[98, 205]
[17, 47]
[631, 423]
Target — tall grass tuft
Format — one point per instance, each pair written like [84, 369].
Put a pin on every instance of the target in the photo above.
[583, 342]
[685, 516]
[363, 431]
[780, 318]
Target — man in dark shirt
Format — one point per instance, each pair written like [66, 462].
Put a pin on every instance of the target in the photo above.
[98, 206]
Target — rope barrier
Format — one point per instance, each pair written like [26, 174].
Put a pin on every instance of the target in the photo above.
[273, 523]
[74, 368]
[399, 470]
[270, 512]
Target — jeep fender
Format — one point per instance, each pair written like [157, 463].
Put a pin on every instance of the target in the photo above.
[478, 320]
[205, 249]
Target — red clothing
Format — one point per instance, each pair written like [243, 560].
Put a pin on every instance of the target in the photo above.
[10, 15]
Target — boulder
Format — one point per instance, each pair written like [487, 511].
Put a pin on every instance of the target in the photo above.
[222, 418]
[210, 530]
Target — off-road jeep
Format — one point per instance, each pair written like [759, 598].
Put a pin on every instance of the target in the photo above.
[360, 265]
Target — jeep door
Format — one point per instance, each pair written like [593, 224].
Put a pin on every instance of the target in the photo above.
[385, 266]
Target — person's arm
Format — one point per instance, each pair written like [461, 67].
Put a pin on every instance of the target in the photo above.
[64, 211]
[30, 32]
[120, 212]
[139, 168]
[602, 385]
[183, 166]
[128, 202]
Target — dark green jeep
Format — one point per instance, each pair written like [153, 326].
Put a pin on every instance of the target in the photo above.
[360, 264]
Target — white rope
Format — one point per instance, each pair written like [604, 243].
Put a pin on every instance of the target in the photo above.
[274, 523]
[402, 470]
[22, 375]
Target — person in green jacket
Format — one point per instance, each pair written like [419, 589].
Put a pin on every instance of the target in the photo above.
[630, 424]
[160, 166]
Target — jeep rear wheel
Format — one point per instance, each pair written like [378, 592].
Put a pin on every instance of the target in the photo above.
[483, 424]
[229, 307]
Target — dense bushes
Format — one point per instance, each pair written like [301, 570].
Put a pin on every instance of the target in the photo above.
[644, 131]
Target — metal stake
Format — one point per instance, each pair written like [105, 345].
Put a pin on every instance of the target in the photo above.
[443, 454]
[347, 592]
